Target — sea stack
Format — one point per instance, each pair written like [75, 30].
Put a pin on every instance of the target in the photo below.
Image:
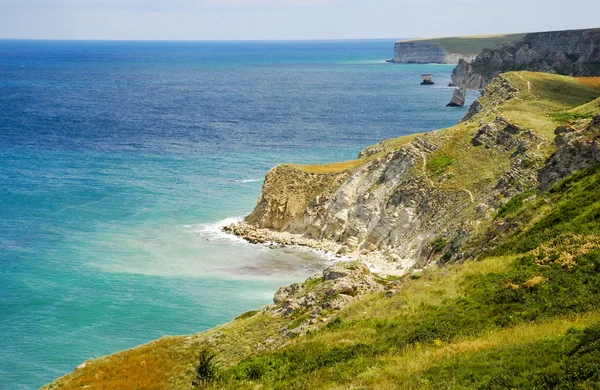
[458, 98]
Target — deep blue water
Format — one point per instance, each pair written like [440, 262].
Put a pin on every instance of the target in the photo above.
[120, 160]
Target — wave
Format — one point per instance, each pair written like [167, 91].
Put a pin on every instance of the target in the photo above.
[246, 181]
[213, 231]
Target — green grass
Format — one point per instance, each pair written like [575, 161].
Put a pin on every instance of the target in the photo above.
[469, 45]
[572, 206]
[565, 117]
[544, 102]
[514, 204]
[584, 111]
[557, 362]
[438, 164]
[457, 158]
[543, 97]
[247, 314]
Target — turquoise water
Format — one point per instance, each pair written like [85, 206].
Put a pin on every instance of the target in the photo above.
[119, 161]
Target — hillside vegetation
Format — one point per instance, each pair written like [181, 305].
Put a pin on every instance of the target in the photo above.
[468, 45]
[520, 309]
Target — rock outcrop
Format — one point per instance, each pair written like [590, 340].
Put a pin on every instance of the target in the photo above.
[572, 52]
[287, 193]
[458, 98]
[577, 147]
[465, 77]
[339, 285]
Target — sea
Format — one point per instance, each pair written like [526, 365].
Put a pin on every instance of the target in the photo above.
[120, 161]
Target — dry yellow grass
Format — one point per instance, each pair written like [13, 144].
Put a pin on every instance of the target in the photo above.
[330, 168]
[593, 82]
[151, 366]
[386, 146]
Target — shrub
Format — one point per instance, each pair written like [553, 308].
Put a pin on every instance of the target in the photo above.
[206, 371]
[438, 244]
[439, 164]
[514, 204]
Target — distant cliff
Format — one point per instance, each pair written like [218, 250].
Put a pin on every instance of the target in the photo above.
[446, 50]
[573, 53]
[419, 53]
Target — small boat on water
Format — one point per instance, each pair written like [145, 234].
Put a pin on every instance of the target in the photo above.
[427, 79]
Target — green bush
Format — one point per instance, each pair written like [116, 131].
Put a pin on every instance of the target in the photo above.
[255, 367]
[438, 244]
[565, 117]
[438, 164]
[514, 204]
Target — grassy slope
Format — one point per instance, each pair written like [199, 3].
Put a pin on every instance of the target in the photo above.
[544, 95]
[468, 325]
[469, 45]
[501, 322]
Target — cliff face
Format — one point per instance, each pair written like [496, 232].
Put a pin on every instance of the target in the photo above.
[427, 199]
[383, 206]
[446, 50]
[288, 193]
[421, 53]
[575, 53]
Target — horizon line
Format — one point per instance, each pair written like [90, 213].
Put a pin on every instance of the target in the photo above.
[202, 40]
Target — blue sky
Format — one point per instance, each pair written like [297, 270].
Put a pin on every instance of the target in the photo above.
[287, 19]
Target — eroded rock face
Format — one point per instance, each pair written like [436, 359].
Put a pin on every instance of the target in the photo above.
[464, 76]
[578, 147]
[526, 159]
[458, 98]
[573, 52]
[383, 206]
[287, 193]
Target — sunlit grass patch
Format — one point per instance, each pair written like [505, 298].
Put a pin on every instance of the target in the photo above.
[469, 45]
[382, 148]
[331, 168]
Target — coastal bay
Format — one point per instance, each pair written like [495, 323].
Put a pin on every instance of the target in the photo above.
[121, 161]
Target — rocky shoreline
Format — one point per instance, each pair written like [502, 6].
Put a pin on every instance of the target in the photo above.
[377, 261]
